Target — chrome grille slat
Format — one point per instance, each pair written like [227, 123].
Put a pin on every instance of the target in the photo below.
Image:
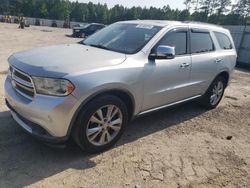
[22, 83]
[24, 95]
[24, 87]
[22, 76]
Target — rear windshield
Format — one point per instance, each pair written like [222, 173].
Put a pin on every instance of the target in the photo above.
[126, 38]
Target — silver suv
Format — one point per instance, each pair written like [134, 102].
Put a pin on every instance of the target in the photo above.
[91, 90]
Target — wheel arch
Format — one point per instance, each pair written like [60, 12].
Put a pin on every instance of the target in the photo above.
[123, 94]
[225, 75]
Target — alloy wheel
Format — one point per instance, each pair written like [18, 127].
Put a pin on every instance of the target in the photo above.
[217, 93]
[104, 125]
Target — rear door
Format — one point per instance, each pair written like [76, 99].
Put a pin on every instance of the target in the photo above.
[204, 57]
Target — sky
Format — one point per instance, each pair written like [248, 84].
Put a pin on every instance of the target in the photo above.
[129, 3]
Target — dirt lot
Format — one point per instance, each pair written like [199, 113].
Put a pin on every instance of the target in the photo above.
[185, 146]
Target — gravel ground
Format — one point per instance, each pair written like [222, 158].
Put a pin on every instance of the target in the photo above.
[184, 146]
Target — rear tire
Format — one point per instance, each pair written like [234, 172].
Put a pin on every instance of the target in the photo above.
[100, 124]
[214, 94]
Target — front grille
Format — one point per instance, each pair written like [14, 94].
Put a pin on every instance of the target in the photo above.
[22, 83]
[20, 75]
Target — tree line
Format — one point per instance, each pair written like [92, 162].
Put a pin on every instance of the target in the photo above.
[212, 11]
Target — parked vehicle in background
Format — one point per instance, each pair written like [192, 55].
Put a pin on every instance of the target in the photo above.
[90, 91]
[86, 30]
[79, 25]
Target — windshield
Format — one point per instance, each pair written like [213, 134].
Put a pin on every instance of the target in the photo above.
[123, 37]
[85, 26]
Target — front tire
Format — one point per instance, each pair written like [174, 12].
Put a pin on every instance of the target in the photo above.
[83, 35]
[214, 94]
[101, 123]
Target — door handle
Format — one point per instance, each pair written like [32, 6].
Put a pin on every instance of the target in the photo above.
[184, 65]
[217, 60]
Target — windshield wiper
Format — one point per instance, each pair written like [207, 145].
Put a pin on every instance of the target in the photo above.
[99, 46]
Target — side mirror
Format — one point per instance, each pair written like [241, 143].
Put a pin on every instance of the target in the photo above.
[163, 52]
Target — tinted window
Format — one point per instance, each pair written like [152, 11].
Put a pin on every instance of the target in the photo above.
[92, 27]
[223, 41]
[177, 40]
[201, 42]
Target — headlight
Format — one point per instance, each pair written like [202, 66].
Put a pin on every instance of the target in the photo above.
[51, 86]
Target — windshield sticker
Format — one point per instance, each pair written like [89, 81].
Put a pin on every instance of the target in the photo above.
[145, 26]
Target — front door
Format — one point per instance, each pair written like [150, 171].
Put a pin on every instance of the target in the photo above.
[167, 80]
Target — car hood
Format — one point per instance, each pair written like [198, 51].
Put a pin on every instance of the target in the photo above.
[61, 60]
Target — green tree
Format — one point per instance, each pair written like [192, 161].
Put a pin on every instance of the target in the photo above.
[242, 8]
[223, 6]
[42, 9]
[213, 11]
[188, 4]
[184, 15]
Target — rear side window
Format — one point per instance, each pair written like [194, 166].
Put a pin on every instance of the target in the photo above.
[223, 41]
[201, 42]
[177, 40]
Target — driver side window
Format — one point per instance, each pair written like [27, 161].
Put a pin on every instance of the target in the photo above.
[177, 39]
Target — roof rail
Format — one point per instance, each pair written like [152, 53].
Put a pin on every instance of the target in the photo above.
[204, 23]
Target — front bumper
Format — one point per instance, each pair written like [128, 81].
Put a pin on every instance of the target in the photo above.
[35, 130]
[45, 117]
[77, 33]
